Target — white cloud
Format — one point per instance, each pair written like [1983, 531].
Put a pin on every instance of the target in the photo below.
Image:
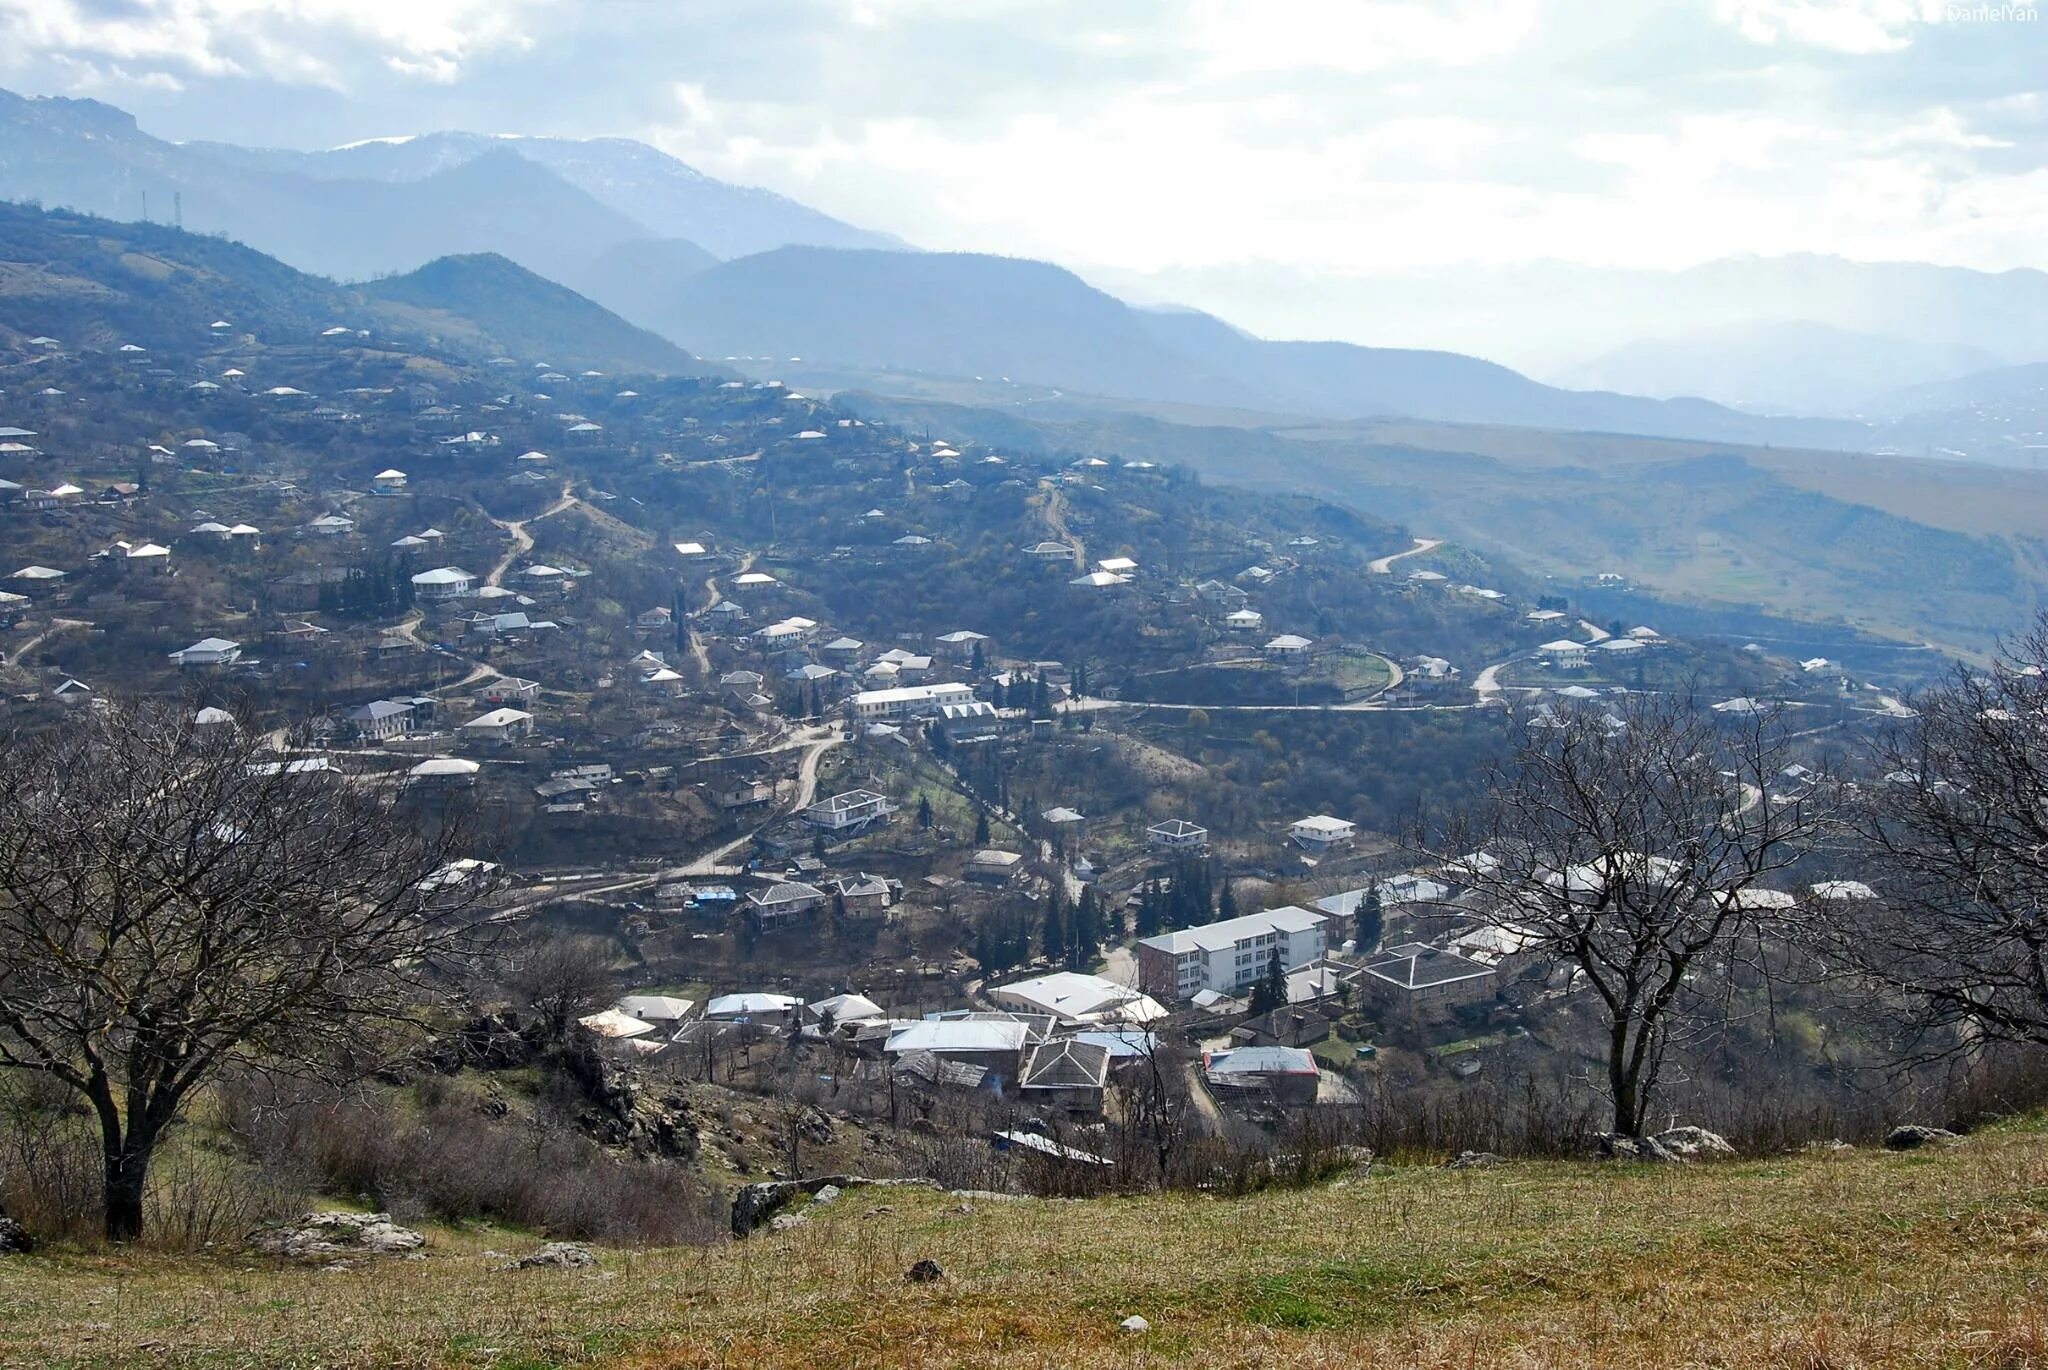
[295, 42]
[1858, 27]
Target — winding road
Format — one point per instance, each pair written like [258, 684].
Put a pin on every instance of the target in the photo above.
[1384, 566]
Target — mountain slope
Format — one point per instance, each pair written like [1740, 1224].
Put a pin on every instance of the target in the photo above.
[619, 277]
[966, 315]
[1784, 368]
[496, 303]
[96, 283]
[666, 197]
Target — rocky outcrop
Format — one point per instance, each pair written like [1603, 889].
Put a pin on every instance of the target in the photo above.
[623, 1111]
[555, 1256]
[1694, 1143]
[1617, 1146]
[15, 1239]
[1913, 1136]
[757, 1205]
[328, 1235]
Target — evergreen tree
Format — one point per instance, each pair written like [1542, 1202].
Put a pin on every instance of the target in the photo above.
[1054, 935]
[1226, 904]
[924, 810]
[1086, 937]
[1269, 991]
[981, 827]
[1151, 913]
[979, 663]
[1371, 921]
[1041, 699]
[833, 926]
[1081, 680]
[995, 693]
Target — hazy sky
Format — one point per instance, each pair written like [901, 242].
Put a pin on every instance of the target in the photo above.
[1351, 135]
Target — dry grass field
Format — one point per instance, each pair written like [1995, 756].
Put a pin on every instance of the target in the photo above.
[1828, 1259]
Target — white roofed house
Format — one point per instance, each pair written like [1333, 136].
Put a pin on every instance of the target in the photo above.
[1066, 1074]
[443, 582]
[208, 651]
[444, 772]
[331, 526]
[754, 1007]
[787, 899]
[1177, 834]
[149, 557]
[908, 702]
[1288, 647]
[1075, 999]
[959, 645]
[499, 725]
[662, 1010]
[390, 481]
[852, 811]
[1244, 621]
[1565, 654]
[380, 719]
[1321, 833]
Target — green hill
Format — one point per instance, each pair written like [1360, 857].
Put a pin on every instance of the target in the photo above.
[96, 283]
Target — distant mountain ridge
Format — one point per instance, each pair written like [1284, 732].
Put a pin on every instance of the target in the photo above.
[953, 314]
[667, 198]
[553, 205]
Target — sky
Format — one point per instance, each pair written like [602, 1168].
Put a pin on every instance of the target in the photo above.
[1136, 136]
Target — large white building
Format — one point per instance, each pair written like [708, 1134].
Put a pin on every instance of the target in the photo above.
[1229, 956]
[908, 701]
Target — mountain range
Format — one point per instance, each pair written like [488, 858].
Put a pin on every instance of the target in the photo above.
[721, 270]
[551, 205]
[1802, 333]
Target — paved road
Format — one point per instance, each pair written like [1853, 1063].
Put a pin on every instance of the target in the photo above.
[1384, 566]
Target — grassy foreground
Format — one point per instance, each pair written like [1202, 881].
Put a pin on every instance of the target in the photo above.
[1822, 1260]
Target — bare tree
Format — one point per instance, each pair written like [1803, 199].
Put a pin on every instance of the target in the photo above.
[561, 979]
[1633, 840]
[175, 898]
[1955, 833]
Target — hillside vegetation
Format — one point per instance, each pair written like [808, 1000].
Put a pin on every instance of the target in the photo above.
[1829, 1258]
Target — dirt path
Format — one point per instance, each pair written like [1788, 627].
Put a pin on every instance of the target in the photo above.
[522, 541]
[56, 626]
[1384, 566]
[1056, 527]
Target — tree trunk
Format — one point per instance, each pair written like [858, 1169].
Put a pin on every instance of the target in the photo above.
[126, 1176]
[1622, 1082]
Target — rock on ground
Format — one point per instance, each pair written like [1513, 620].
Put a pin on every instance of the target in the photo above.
[1135, 1323]
[926, 1271]
[556, 1256]
[1913, 1136]
[337, 1234]
[1614, 1146]
[14, 1238]
[1694, 1143]
[1473, 1160]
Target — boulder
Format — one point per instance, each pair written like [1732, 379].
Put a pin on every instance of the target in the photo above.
[829, 1194]
[15, 1239]
[1913, 1136]
[1616, 1146]
[335, 1234]
[1693, 1143]
[926, 1271]
[1472, 1160]
[1135, 1323]
[783, 1222]
[555, 1256]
